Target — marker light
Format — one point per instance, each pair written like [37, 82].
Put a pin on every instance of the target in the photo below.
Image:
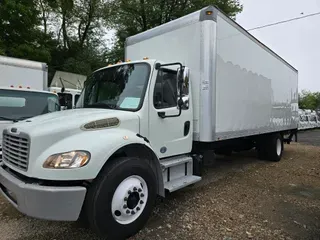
[209, 12]
[11, 86]
[128, 60]
[28, 87]
[20, 86]
[119, 62]
[145, 58]
[109, 65]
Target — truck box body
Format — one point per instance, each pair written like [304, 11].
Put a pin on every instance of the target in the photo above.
[19, 72]
[239, 86]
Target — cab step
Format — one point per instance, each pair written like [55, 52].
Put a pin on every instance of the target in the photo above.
[182, 182]
[178, 172]
[171, 162]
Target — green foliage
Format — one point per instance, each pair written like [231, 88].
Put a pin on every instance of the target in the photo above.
[20, 33]
[130, 17]
[309, 100]
[69, 34]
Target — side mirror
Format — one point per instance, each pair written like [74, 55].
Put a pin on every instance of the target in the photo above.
[183, 87]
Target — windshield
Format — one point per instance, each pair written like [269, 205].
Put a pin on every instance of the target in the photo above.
[121, 87]
[19, 105]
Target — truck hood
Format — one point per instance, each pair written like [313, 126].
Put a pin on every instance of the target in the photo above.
[63, 131]
[69, 121]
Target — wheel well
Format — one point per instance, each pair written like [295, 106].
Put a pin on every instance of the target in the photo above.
[142, 152]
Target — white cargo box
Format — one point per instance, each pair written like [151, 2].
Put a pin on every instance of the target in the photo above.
[23, 73]
[239, 86]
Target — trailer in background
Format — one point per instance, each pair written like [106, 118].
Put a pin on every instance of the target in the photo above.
[21, 73]
[68, 98]
[68, 86]
[308, 119]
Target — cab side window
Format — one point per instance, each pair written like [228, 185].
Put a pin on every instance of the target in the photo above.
[65, 100]
[165, 92]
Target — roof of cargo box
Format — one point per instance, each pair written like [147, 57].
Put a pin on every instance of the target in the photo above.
[27, 90]
[200, 15]
[4, 60]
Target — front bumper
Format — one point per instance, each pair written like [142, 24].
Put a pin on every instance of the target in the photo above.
[43, 202]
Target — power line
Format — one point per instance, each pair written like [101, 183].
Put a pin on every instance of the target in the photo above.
[285, 21]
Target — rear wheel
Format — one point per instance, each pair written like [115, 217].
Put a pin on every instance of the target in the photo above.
[121, 199]
[270, 147]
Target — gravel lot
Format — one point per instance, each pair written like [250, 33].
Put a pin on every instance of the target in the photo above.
[239, 198]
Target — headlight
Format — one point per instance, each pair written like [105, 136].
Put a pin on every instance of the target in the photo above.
[74, 159]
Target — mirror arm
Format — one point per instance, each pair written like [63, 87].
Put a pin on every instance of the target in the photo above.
[159, 65]
[163, 114]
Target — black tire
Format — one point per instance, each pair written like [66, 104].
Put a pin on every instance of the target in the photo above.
[98, 201]
[270, 147]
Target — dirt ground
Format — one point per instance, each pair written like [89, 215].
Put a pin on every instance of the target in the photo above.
[239, 198]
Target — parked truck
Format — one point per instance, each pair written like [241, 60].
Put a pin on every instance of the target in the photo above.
[143, 127]
[23, 91]
[68, 86]
[68, 97]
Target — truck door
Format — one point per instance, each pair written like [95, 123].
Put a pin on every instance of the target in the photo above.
[169, 136]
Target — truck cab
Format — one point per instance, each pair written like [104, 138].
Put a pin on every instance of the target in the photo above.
[150, 91]
[122, 109]
[17, 104]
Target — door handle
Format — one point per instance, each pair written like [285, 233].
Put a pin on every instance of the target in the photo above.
[186, 128]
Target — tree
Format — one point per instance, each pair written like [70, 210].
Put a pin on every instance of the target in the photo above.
[20, 33]
[77, 27]
[130, 17]
[309, 100]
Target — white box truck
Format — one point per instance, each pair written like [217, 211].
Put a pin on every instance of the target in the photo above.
[23, 91]
[143, 127]
[68, 86]
[68, 97]
[21, 73]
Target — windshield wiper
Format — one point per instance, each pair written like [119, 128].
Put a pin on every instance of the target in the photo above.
[23, 118]
[7, 119]
[15, 119]
[102, 105]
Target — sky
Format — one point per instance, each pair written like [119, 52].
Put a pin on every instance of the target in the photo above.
[298, 42]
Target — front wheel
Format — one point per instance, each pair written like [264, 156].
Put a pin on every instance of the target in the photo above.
[121, 199]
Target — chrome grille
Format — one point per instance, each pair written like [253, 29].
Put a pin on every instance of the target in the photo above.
[15, 150]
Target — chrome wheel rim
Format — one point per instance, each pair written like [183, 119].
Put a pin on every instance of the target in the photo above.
[279, 147]
[129, 200]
